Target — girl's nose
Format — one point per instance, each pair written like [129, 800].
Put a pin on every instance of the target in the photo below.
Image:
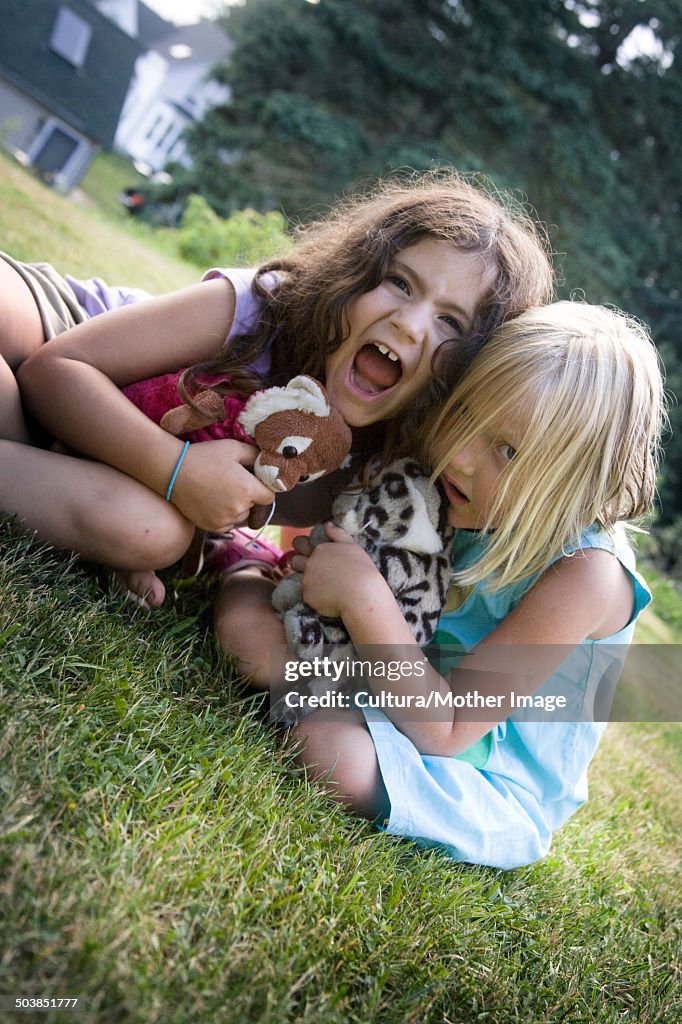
[411, 322]
[466, 459]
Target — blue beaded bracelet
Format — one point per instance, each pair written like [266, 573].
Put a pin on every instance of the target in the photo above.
[176, 471]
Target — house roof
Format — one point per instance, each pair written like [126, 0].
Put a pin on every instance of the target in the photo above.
[88, 98]
[206, 40]
[151, 27]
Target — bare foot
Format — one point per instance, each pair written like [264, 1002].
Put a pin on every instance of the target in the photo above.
[143, 587]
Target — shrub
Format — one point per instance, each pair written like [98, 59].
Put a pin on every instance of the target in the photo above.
[244, 239]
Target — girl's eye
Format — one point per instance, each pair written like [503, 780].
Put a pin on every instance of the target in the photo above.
[453, 323]
[399, 282]
[507, 451]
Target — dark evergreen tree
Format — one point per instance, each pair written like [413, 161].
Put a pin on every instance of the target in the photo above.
[539, 94]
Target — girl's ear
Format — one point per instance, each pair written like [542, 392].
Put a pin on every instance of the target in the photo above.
[183, 418]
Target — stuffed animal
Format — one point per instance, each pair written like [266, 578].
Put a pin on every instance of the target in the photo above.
[300, 436]
[401, 521]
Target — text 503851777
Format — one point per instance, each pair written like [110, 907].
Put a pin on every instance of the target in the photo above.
[45, 1003]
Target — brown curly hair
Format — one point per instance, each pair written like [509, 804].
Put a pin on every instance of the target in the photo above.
[348, 253]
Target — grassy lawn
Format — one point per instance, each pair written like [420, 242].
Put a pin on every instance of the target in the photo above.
[85, 238]
[162, 858]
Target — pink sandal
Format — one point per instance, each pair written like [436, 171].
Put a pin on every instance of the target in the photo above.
[230, 552]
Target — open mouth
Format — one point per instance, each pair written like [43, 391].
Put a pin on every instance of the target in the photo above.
[453, 493]
[376, 369]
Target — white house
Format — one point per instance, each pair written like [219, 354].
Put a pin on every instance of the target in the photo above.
[65, 69]
[171, 88]
[80, 75]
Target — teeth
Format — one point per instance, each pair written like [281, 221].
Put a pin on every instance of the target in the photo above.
[387, 352]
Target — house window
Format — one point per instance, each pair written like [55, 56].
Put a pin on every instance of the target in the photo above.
[71, 37]
[156, 123]
[164, 137]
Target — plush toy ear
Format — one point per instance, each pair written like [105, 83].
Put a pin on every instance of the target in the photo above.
[302, 392]
[309, 395]
[184, 418]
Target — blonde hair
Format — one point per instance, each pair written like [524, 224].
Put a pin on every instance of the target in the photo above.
[586, 383]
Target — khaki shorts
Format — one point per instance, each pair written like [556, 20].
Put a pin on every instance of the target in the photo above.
[56, 301]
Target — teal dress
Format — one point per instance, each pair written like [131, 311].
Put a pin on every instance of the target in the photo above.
[499, 802]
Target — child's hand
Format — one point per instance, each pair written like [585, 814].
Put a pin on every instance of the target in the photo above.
[334, 575]
[215, 489]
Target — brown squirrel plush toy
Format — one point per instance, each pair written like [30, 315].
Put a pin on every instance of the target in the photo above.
[300, 435]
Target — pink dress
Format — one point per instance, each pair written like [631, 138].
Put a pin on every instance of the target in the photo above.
[156, 395]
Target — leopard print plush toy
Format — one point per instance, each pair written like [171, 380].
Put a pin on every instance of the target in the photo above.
[401, 521]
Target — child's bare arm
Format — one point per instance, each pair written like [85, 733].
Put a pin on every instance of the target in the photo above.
[587, 595]
[72, 388]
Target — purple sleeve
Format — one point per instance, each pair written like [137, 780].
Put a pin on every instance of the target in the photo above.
[247, 306]
[95, 296]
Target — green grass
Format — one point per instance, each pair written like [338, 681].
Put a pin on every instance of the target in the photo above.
[667, 595]
[163, 858]
[107, 176]
[79, 238]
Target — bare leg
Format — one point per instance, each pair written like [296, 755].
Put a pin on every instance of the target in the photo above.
[90, 508]
[62, 501]
[247, 626]
[335, 746]
[21, 329]
[21, 333]
[337, 750]
[12, 422]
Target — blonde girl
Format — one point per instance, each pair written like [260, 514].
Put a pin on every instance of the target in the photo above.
[546, 451]
[381, 301]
